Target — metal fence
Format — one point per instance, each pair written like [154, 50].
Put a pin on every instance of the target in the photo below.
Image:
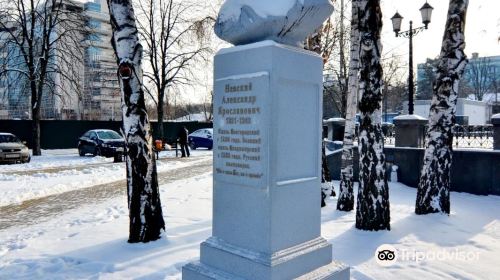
[464, 136]
[389, 134]
[473, 136]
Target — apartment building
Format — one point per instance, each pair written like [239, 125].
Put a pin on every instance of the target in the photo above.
[101, 96]
[97, 94]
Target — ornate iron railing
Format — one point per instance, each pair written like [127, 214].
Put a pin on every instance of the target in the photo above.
[464, 136]
[389, 134]
[473, 136]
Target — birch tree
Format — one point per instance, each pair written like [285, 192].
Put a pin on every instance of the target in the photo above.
[433, 194]
[372, 211]
[42, 40]
[145, 212]
[175, 39]
[345, 201]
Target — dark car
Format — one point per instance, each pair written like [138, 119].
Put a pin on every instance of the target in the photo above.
[12, 150]
[102, 142]
[201, 138]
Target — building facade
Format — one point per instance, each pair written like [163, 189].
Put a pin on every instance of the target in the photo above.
[477, 112]
[101, 96]
[97, 93]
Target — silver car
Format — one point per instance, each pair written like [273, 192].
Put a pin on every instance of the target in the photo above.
[12, 150]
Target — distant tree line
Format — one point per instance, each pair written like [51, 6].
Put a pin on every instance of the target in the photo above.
[481, 76]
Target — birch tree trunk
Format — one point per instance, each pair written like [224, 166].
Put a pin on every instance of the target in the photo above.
[433, 194]
[345, 201]
[145, 213]
[372, 212]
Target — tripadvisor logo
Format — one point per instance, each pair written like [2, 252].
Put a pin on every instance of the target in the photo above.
[386, 255]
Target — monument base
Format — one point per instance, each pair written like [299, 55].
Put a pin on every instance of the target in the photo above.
[199, 271]
[226, 261]
[266, 212]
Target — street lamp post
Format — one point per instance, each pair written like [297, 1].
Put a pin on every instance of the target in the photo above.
[426, 12]
[389, 89]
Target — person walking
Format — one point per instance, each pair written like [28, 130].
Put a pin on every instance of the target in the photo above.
[183, 141]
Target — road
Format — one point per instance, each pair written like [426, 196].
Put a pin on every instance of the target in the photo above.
[41, 209]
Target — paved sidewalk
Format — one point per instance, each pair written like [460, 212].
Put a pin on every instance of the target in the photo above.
[41, 209]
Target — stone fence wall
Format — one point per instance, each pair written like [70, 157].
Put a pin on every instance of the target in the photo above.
[475, 171]
[472, 171]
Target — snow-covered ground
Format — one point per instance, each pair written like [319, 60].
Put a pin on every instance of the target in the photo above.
[58, 171]
[91, 241]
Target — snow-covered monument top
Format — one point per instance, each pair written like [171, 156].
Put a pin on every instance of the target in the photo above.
[287, 22]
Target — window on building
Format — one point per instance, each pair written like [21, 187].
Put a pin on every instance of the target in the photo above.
[96, 105]
[94, 38]
[92, 6]
[93, 54]
[94, 24]
[96, 91]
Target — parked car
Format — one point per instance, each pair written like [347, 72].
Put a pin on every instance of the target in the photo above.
[12, 150]
[102, 142]
[201, 138]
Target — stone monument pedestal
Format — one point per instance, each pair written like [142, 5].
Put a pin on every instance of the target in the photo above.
[410, 131]
[267, 155]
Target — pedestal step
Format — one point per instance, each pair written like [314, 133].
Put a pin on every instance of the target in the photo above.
[310, 260]
[199, 271]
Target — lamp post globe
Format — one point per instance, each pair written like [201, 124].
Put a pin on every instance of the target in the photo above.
[426, 12]
[396, 23]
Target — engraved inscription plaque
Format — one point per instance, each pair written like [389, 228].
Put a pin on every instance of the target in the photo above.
[241, 129]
